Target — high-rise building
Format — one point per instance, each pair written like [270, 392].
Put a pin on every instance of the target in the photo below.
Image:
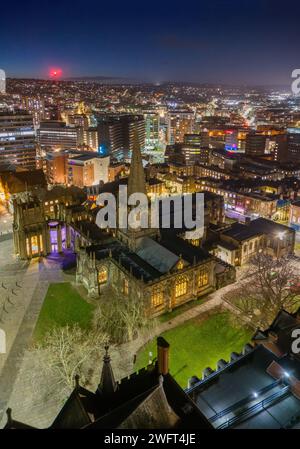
[17, 140]
[187, 153]
[2, 82]
[255, 144]
[36, 107]
[180, 122]
[90, 138]
[56, 135]
[152, 124]
[116, 134]
[293, 144]
[286, 146]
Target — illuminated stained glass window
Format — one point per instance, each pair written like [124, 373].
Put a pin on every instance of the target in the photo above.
[157, 297]
[202, 278]
[102, 276]
[180, 286]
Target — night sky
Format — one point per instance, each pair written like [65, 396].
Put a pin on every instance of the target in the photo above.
[229, 41]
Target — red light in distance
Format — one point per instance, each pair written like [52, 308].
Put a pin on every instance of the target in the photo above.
[55, 73]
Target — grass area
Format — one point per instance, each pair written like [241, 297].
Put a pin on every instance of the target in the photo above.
[62, 306]
[188, 305]
[199, 343]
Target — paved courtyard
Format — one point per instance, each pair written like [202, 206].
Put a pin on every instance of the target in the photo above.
[23, 287]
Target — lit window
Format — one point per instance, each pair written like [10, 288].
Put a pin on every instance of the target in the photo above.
[180, 264]
[125, 287]
[157, 297]
[34, 245]
[181, 286]
[102, 276]
[202, 278]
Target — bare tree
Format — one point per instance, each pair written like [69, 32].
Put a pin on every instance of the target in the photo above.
[121, 316]
[268, 286]
[64, 353]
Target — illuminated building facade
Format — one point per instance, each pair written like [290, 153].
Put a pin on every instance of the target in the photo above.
[179, 123]
[36, 107]
[17, 140]
[90, 138]
[240, 243]
[152, 127]
[54, 164]
[56, 135]
[87, 170]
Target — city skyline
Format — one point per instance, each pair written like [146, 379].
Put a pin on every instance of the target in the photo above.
[224, 42]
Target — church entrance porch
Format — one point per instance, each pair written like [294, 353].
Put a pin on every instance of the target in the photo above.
[57, 234]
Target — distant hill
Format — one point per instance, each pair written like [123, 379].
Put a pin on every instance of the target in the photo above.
[104, 79]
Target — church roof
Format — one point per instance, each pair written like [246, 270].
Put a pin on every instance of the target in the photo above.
[154, 412]
[156, 255]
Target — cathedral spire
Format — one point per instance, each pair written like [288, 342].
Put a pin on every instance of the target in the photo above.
[136, 180]
[107, 384]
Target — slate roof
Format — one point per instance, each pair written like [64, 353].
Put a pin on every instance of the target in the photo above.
[260, 226]
[156, 255]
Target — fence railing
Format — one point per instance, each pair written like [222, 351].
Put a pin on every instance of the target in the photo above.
[244, 401]
[279, 395]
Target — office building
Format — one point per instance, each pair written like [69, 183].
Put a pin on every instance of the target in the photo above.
[293, 144]
[17, 140]
[36, 107]
[152, 124]
[90, 138]
[57, 135]
[116, 134]
[255, 144]
[179, 122]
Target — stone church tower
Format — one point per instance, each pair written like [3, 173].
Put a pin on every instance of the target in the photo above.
[136, 184]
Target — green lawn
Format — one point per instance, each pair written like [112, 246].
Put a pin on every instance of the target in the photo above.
[198, 344]
[188, 305]
[63, 305]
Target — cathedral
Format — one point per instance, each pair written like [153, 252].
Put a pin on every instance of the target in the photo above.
[159, 266]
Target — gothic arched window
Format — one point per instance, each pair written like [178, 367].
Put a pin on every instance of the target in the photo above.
[180, 286]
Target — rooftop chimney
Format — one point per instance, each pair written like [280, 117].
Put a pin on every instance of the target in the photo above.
[163, 355]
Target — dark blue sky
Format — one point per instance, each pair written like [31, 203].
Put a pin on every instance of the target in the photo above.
[230, 41]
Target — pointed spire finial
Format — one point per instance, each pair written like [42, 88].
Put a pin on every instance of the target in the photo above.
[107, 384]
[77, 378]
[9, 415]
